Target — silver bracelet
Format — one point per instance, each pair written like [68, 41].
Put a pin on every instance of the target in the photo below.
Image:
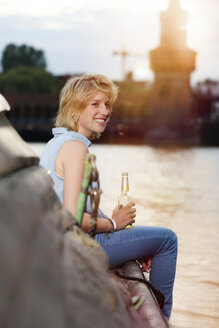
[114, 225]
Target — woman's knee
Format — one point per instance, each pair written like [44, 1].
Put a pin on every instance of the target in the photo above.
[172, 239]
[173, 236]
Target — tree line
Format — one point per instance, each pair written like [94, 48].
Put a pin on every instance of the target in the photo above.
[24, 71]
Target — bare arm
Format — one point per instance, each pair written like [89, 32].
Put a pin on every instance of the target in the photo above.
[70, 165]
[73, 154]
[72, 158]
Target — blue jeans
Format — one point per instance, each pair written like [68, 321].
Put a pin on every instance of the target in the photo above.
[135, 243]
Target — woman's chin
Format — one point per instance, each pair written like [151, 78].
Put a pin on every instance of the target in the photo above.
[100, 129]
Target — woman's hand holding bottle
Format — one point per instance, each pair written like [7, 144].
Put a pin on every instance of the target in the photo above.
[124, 215]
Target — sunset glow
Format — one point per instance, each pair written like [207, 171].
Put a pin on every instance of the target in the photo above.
[88, 31]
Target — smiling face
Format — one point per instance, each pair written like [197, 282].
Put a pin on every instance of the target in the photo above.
[95, 116]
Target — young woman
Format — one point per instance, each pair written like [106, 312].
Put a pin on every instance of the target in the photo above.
[85, 107]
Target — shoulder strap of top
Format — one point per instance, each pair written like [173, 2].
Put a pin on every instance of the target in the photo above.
[65, 135]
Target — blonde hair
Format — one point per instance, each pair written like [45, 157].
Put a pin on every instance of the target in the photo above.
[77, 93]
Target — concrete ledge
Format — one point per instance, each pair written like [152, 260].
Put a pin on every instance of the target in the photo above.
[15, 153]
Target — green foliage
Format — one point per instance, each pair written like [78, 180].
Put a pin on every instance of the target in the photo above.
[23, 55]
[28, 80]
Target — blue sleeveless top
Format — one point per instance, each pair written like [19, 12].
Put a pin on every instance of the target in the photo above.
[48, 158]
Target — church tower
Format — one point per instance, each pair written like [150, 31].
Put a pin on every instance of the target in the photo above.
[172, 63]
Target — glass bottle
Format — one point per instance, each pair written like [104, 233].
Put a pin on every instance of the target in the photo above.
[125, 197]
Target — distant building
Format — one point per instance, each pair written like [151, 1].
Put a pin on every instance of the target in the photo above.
[208, 88]
[206, 95]
[206, 101]
[172, 63]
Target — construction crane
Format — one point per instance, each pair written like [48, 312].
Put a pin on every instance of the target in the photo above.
[124, 54]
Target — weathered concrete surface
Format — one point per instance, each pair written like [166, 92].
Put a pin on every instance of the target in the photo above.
[4, 105]
[31, 241]
[149, 311]
[14, 152]
[50, 276]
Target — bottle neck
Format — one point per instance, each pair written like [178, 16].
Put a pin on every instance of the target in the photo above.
[125, 184]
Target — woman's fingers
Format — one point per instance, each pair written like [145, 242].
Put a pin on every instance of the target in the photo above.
[124, 215]
[129, 210]
[129, 205]
[118, 207]
[149, 263]
[146, 264]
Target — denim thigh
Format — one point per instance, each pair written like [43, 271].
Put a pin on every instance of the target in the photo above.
[139, 242]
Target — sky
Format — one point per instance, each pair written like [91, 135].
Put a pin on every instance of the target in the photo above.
[79, 36]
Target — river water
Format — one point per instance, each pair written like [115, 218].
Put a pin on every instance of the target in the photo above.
[176, 188]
